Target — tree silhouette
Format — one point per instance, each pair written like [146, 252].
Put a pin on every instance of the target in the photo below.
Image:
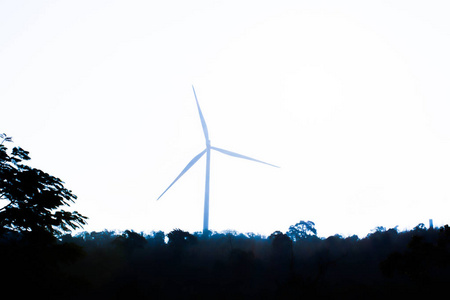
[33, 198]
[30, 222]
[282, 256]
[280, 241]
[302, 230]
[179, 239]
[130, 240]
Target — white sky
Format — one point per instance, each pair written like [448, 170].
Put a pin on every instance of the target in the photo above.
[350, 98]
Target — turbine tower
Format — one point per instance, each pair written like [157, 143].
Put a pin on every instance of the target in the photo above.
[207, 150]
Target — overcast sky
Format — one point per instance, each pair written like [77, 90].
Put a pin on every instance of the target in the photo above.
[350, 98]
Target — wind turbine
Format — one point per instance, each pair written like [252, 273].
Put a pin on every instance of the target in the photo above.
[207, 150]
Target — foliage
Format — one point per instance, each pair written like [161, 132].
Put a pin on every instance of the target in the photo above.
[180, 239]
[302, 230]
[280, 240]
[130, 240]
[33, 197]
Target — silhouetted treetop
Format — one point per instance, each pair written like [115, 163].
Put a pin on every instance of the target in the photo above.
[302, 230]
[32, 197]
[179, 238]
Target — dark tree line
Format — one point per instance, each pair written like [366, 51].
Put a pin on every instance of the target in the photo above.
[40, 260]
[230, 265]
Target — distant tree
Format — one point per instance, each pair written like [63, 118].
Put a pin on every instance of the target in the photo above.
[157, 238]
[179, 239]
[32, 197]
[130, 240]
[420, 227]
[280, 241]
[302, 230]
[282, 255]
[379, 229]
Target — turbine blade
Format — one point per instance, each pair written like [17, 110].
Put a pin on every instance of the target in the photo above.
[189, 165]
[241, 156]
[202, 119]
